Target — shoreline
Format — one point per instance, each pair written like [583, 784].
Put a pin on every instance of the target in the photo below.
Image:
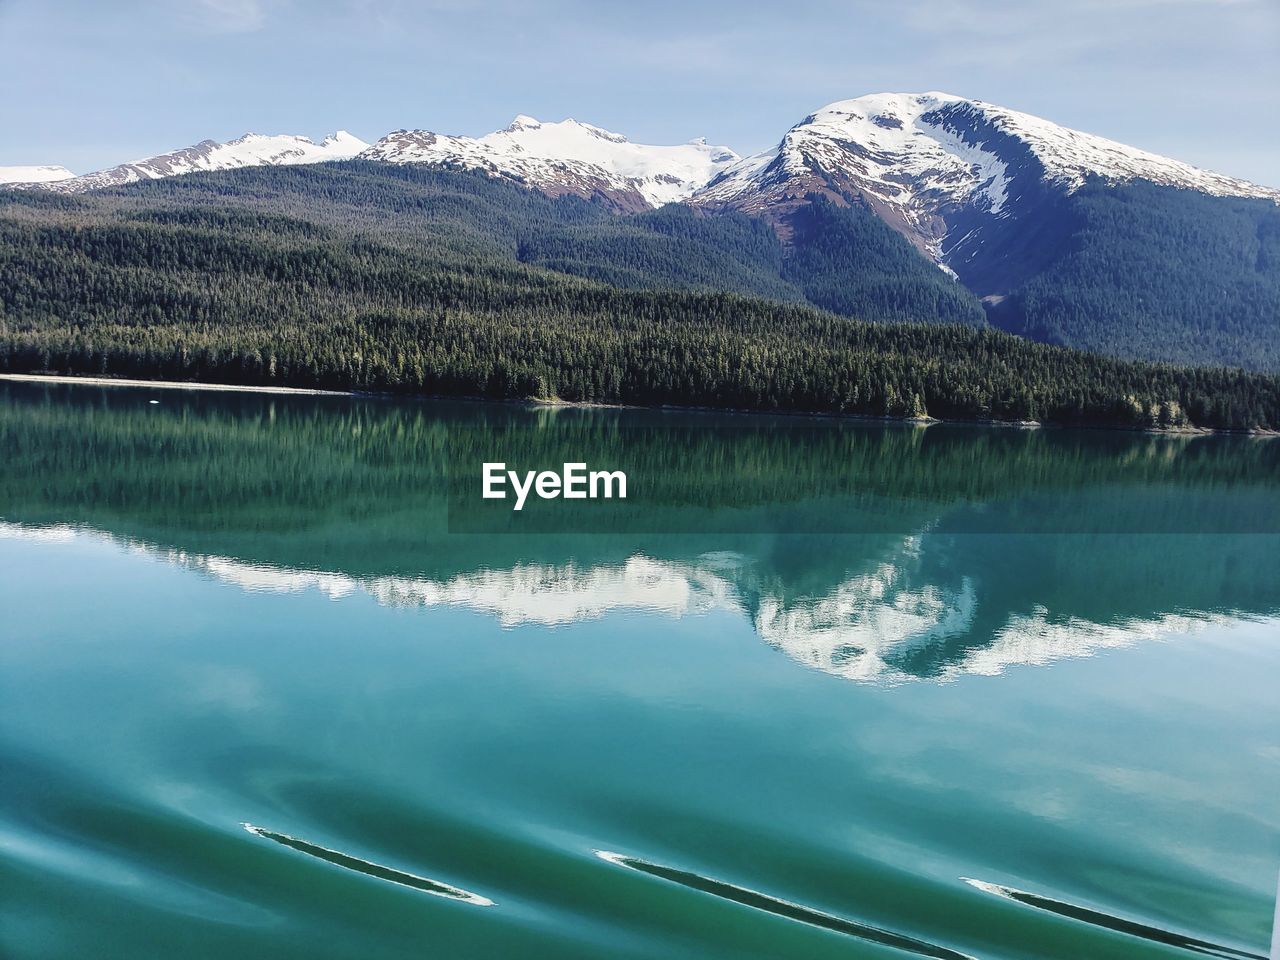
[99, 381]
[166, 384]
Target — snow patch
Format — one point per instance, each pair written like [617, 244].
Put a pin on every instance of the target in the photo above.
[569, 156]
[44, 174]
[251, 150]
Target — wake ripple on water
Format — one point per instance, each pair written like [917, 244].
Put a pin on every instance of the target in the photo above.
[436, 888]
[784, 908]
[1119, 924]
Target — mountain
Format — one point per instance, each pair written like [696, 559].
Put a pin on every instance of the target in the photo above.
[46, 174]
[251, 150]
[1049, 233]
[936, 166]
[1066, 237]
[568, 157]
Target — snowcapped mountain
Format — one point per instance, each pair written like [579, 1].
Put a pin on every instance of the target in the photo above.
[1053, 234]
[926, 163]
[568, 157]
[46, 174]
[936, 166]
[251, 150]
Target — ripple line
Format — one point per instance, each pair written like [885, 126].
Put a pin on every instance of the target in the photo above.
[1118, 924]
[436, 888]
[784, 908]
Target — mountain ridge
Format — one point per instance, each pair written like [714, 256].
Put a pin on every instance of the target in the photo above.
[912, 157]
[567, 157]
[251, 149]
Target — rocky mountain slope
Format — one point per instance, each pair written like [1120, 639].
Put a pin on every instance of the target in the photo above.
[931, 164]
[938, 168]
[568, 157]
[248, 151]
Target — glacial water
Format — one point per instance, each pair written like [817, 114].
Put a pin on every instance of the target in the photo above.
[275, 682]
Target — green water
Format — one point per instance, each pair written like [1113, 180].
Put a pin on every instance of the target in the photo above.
[275, 683]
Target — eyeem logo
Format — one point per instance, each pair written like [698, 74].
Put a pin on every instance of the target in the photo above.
[572, 483]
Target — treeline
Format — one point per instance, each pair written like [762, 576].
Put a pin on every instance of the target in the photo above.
[141, 284]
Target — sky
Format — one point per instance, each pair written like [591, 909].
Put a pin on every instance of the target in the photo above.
[92, 83]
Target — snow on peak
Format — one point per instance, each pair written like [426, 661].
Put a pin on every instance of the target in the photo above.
[566, 140]
[255, 149]
[917, 158]
[1070, 157]
[40, 174]
[250, 150]
[342, 140]
[567, 157]
[945, 137]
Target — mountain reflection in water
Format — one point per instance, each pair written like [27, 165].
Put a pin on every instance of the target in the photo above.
[947, 553]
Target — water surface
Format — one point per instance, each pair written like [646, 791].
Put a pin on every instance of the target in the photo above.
[275, 684]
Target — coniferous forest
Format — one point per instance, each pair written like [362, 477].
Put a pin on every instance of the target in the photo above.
[1140, 270]
[369, 277]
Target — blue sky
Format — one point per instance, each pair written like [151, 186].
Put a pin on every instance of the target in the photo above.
[88, 84]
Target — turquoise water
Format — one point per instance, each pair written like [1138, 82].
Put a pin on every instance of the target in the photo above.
[273, 684]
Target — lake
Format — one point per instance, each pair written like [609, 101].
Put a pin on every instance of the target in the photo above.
[276, 681]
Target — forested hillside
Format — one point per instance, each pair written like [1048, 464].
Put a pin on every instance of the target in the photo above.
[842, 259]
[397, 279]
[854, 265]
[1145, 271]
